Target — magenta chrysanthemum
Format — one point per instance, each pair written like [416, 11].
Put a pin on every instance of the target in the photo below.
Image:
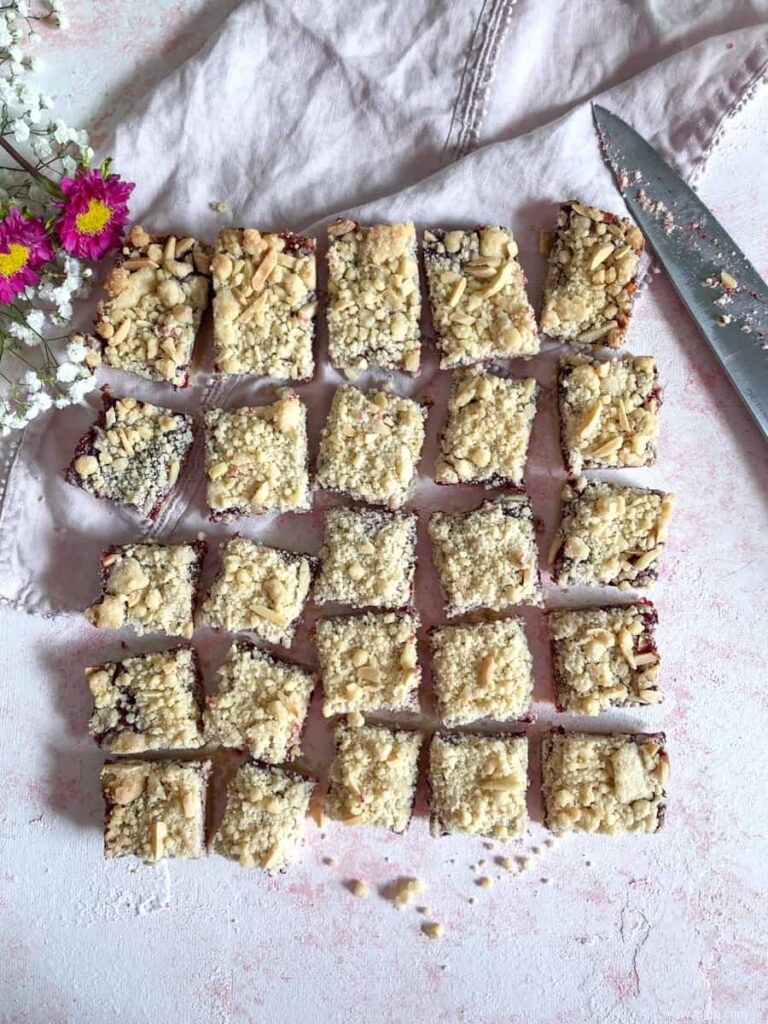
[94, 213]
[24, 248]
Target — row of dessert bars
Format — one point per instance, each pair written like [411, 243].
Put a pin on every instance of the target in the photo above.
[265, 297]
[257, 460]
[476, 784]
[368, 663]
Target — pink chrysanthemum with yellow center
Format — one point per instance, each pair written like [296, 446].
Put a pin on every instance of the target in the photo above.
[24, 248]
[94, 213]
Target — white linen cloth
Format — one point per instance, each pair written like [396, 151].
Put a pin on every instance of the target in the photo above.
[447, 113]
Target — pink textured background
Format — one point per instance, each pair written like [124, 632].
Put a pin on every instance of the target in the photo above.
[670, 927]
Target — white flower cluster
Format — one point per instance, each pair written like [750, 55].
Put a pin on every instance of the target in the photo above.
[51, 364]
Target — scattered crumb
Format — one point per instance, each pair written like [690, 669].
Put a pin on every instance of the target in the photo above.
[588, 863]
[536, 850]
[402, 891]
[728, 282]
[724, 319]
[358, 888]
[507, 863]
[544, 880]
[485, 882]
[219, 207]
[200, 535]
[488, 846]
[433, 929]
[329, 862]
[551, 841]
[525, 863]
[422, 910]
[471, 900]
[355, 720]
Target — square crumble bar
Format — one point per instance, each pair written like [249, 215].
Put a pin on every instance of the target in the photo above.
[591, 277]
[368, 662]
[610, 534]
[260, 705]
[604, 657]
[264, 817]
[483, 670]
[373, 775]
[477, 785]
[133, 454]
[477, 295]
[610, 783]
[151, 587]
[374, 297]
[609, 411]
[156, 294]
[256, 459]
[259, 590]
[488, 431]
[368, 558]
[148, 702]
[370, 446]
[487, 558]
[265, 303]
[154, 809]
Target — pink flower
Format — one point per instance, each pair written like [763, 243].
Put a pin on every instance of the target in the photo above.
[24, 248]
[94, 213]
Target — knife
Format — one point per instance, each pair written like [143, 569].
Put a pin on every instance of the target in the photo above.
[723, 292]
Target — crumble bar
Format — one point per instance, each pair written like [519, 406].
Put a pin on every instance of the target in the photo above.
[368, 662]
[156, 294]
[605, 657]
[264, 303]
[477, 785]
[373, 776]
[150, 587]
[261, 704]
[259, 590]
[368, 558]
[610, 534]
[148, 702]
[370, 446]
[609, 411]
[483, 670]
[487, 558]
[374, 297]
[480, 308]
[132, 454]
[609, 783]
[256, 459]
[264, 818]
[154, 809]
[488, 430]
[591, 277]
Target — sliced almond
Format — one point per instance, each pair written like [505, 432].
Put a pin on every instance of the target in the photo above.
[626, 646]
[609, 447]
[486, 670]
[341, 227]
[158, 833]
[623, 419]
[591, 420]
[646, 558]
[265, 268]
[269, 614]
[140, 263]
[596, 333]
[457, 292]
[600, 255]
[500, 281]
[648, 658]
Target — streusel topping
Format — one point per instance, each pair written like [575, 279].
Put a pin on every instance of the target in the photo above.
[264, 819]
[133, 454]
[370, 446]
[151, 587]
[606, 784]
[261, 704]
[487, 558]
[591, 277]
[374, 297]
[488, 430]
[368, 557]
[155, 809]
[604, 657]
[481, 671]
[480, 308]
[156, 294]
[373, 776]
[609, 411]
[368, 662]
[264, 304]
[478, 784]
[259, 590]
[150, 702]
[256, 458]
[611, 534]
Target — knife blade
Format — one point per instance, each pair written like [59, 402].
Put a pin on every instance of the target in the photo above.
[723, 292]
